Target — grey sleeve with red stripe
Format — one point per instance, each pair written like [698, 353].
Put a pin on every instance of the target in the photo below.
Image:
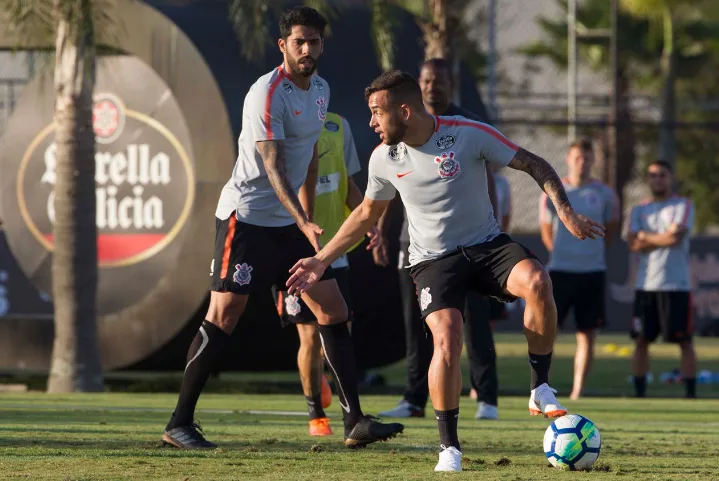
[494, 147]
[265, 110]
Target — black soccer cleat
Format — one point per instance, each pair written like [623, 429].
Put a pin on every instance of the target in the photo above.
[369, 430]
[187, 437]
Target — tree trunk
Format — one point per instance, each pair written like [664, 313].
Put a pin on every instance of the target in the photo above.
[76, 364]
[626, 138]
[667, 139]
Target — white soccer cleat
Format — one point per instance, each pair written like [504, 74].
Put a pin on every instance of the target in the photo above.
[542, 402]
[404, 409]
[486, 411]
[450, 460]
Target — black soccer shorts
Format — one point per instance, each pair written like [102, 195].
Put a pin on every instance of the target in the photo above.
[250, 258]
[668, 312]
[584, 292]
[293, 310]
[443, 282]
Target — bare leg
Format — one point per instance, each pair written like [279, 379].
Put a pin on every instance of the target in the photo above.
[531, 282]
[689, 367]
[445, 375]
[309, 359]
[640, 366]
[582, 361]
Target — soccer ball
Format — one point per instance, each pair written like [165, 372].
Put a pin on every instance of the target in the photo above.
[572, 442]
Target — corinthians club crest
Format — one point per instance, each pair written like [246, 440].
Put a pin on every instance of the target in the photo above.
[447, 165]
[322, 108]
[242, 274]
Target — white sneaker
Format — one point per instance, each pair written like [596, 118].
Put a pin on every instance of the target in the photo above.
[486, 411]
[404, 409]
[542, 402]
[450, 460]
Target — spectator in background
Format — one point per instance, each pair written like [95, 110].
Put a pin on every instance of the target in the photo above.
[578, 268]
[436, 83]
[659, 234]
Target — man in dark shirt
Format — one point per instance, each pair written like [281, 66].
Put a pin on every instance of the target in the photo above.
[436, 83]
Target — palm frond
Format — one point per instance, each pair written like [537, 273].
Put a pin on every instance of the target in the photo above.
[382, 33]
[250, 20]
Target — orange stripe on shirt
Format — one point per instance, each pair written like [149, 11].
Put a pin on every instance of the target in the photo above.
[480, 126]
[228, 245]
[268, 103]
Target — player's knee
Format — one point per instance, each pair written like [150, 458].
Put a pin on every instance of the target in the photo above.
[334, 313]
[539, 285]
[447, 337]
[686, 346]
[226, 309]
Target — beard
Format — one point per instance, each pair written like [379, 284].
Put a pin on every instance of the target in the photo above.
[660, 192]
[396, 135]
[302, 70]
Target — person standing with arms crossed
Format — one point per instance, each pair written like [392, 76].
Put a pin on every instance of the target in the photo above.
[659, 233]
[578, 268]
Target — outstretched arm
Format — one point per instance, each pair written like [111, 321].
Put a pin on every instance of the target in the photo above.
[307, 272]
[546, 177]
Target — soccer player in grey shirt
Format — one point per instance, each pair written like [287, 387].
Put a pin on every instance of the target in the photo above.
[264, 223]
[456, 244]
[578, 268]
[659, 234]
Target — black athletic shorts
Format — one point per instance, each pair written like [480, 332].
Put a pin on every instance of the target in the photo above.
[293, 310]
[443, 282]
[585, 293]
[250, 258]
[668, 312]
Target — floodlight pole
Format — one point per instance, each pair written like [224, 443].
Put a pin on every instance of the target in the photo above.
[572, 71]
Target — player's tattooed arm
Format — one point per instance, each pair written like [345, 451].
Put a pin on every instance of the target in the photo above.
[275, 161]
[545, 175]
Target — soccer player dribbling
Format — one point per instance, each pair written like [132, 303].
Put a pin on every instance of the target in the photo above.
[456, 244]
[264, 224]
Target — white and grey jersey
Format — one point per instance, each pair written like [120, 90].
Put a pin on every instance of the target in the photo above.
[443, 185]
[274, 109]
[664, 268]
[594, 200]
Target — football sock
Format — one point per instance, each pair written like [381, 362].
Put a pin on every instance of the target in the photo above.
[640, 386]
[447, 424]
[539, 372]
[337, 346]
[314, 405]
[691, 387]
[209, 343]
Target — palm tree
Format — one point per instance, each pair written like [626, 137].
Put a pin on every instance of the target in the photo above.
[76, 364]
[672, 18]
[436, 18]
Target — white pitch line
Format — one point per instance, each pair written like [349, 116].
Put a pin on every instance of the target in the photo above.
[70, 407]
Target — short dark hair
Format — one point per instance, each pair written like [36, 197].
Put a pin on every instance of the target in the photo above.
[438, 64]
[584, 144]
[302, 16]
[401, 86]
[662, 163]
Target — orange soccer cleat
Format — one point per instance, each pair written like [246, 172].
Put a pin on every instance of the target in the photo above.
[320, 427]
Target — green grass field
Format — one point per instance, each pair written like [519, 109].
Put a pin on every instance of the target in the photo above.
[116, 435]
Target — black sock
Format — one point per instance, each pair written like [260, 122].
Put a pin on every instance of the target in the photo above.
[314, 405]
[539, 373]
[447, 424]
[209, 343]
[640, 385]
[337, 344]
[691, 385]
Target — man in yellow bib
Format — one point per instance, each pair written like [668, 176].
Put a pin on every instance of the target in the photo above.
[336, 196]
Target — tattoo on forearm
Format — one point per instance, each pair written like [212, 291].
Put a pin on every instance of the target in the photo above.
[544, 174]
[275, 161]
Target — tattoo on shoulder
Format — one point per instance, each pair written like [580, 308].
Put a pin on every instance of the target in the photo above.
[544, 174]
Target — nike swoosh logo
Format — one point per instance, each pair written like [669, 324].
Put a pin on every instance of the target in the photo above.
[298, 112]
[399, 176]
[337, 378]
[323, 154]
